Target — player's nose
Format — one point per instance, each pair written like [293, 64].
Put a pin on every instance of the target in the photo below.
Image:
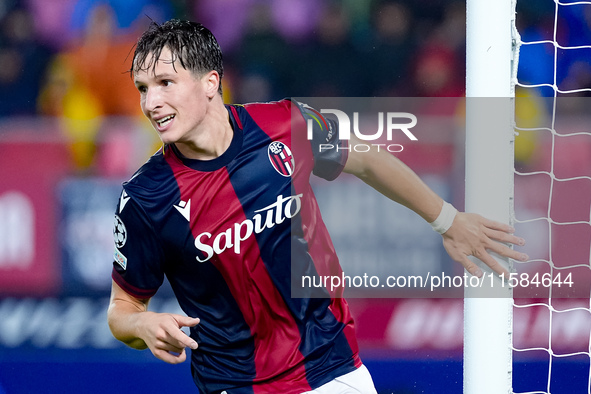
[153, 100]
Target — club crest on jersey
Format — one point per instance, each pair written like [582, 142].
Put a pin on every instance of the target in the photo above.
[281, 158]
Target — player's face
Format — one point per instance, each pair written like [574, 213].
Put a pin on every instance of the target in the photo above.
[173, 99]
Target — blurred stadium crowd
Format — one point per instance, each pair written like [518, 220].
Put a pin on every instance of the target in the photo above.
[66, 51]
[68, 58]
[63, 51]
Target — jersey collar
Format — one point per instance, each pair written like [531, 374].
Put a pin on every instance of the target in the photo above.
[225, 158]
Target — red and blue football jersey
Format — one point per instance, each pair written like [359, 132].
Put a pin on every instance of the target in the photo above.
[233, 235]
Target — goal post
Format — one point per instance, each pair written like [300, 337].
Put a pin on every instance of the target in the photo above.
[490, 52]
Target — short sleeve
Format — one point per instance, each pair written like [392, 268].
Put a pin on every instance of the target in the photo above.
[138, 266]
[330, 153]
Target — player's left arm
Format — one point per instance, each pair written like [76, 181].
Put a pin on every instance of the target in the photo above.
[469, 235]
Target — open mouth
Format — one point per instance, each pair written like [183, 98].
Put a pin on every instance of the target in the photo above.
[165, 121]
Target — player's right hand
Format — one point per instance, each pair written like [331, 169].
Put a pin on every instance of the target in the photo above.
[163, 335]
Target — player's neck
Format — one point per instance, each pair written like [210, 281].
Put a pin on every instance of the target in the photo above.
[214, 138]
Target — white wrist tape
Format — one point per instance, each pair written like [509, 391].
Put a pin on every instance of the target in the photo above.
[445, 218]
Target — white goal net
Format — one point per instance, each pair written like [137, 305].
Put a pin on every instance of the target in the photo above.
[551, 313]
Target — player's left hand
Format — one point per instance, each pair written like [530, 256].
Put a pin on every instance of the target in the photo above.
[474, 235]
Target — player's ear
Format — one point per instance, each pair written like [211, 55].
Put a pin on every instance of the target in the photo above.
[211, 81]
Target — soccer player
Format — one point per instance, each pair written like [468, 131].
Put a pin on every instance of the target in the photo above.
[225, 210]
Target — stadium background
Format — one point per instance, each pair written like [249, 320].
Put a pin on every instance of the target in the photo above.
[71, 132]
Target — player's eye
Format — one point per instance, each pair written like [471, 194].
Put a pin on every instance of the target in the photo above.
[142, 89]
[166, 82]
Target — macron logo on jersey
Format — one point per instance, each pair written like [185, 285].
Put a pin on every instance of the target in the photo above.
[123, 200]
[265, 218]
[184, 208]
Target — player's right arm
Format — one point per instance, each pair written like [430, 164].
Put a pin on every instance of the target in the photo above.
[137, 274]
[132, 323]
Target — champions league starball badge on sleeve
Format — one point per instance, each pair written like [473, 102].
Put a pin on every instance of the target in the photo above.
[119, 232]
[120, 237]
